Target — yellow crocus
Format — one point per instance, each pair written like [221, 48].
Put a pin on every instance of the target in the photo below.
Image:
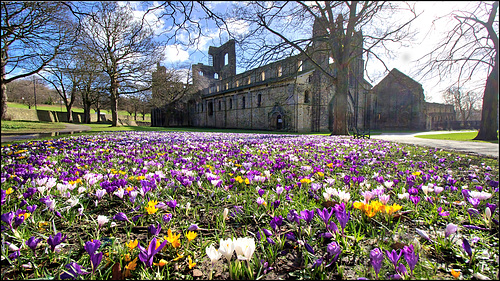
[191, 263]
[191, 235]
[455, 274]
[161, 263]
[132, 244]
[9, 191]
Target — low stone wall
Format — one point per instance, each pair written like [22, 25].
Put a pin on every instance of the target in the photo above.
[45, 115]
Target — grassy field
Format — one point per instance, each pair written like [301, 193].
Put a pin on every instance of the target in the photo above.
[29, 126]
[60, 108]
[465, 136]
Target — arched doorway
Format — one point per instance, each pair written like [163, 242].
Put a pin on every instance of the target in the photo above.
[279, 122]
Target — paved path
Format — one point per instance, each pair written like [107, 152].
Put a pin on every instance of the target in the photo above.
[69, 129]
[478, 148]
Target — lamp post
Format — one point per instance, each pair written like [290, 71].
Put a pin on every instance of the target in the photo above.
[34, 89]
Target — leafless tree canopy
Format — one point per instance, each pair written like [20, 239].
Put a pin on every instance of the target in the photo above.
[279, 29]
[468, 51]
[464, 102]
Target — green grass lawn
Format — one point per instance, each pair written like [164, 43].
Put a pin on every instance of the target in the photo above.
[465, 136]
[29, 126]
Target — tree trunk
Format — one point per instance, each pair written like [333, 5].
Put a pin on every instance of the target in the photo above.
[340, 102]
[114, 110]
[489, 122]
[3, 109]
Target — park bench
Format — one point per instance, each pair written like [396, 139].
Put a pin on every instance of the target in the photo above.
[360, 133]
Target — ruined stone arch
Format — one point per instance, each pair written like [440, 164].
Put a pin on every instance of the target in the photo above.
[276, 118]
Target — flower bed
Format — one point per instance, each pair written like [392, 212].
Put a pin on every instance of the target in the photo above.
[148, 205]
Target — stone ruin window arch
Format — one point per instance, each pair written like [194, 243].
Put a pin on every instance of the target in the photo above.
[263, 75]
[216, 76]
[230, 103]
[306, 96]
[249, 80]
[226, 59]
[220, 105]
[299, 65]
[210, 108]
[280, 71]
[237, 83]
[200, 73]
[259, 100]
[243, 102]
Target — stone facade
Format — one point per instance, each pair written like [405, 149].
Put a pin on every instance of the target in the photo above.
[398, 103]
[286, 95]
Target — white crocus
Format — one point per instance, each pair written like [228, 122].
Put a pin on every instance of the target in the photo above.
[101, 220]
[213, 254]
[226, 248]
[244, 248]
[225, 213]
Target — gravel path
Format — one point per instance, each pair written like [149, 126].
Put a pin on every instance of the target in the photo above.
[478, 148]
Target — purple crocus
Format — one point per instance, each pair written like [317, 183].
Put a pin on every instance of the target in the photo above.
[56, 240]
[325, 215]
[193, 227]
[309, 248]
[172, 204]
[441, 213]
[333, 251]
[121, 217]
[74, 270]
[307, 215]
[411, 257]
[342, 216]
[8, 218]
[415, 199]
[154, 230]
[267, 232]
[317, 263]
[293, 216]
[394, 257]
[146, 256]
[401, 269]
[276, 222]
[166, 218]
[466, 247]
[32, 243]
[290, 236]
[376, 258]
[91, 248]
[450, 229]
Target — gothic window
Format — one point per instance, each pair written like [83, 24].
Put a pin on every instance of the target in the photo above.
[216, 76]
[299, 65]
[243, 105]
[306, 96]
[263, 75]
[280, 71]
[249, 80]
[226, 59]
[200, 73]
[220, 105]
[217, 88]
[237, 83]
[310, 79]
[227, 86]
[230, 103]
[259, 100]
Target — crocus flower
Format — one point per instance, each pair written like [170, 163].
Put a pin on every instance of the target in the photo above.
[8, 218]
[147, 255]
[441, 213]
[342, 217]
[276, 222]
[450, 229]
[56, 240]
[309, 248]
[333, 249]
[213, 254]
[244, 248]
[32, 243]
[193, 227]
[307, 215]
[411, 257]
[166, 218]
[92, 246]
[325, 215]
[74, 270]
[394, 257]
[172, 204]
[101, 220]
[226, 248]
[376, 258]
[121, 217]
[401, 269]
[154, 230]
[466, 247]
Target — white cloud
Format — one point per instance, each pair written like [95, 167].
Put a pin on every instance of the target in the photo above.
[237, 27]
[175, 53]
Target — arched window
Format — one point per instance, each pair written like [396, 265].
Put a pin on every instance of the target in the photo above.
[237, 83]
[226, 59]
[306, 96]
[299, 65]
[220, 105]
[280, 71]
[259, 100]
[249, 80]
[243, 102]
[210, 109]
[263, 75]
[200, 73]
[230, 103]
[216, 75]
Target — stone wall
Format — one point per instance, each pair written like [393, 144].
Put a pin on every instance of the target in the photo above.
[44, 115]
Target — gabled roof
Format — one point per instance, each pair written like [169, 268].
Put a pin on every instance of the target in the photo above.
[397, 76]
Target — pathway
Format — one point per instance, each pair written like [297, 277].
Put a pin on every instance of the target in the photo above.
[69, 129]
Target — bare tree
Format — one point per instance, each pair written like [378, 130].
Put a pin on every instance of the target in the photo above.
[125, 47]
[464, 102]
[31, 36]
[470, 49]
[277, 29]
